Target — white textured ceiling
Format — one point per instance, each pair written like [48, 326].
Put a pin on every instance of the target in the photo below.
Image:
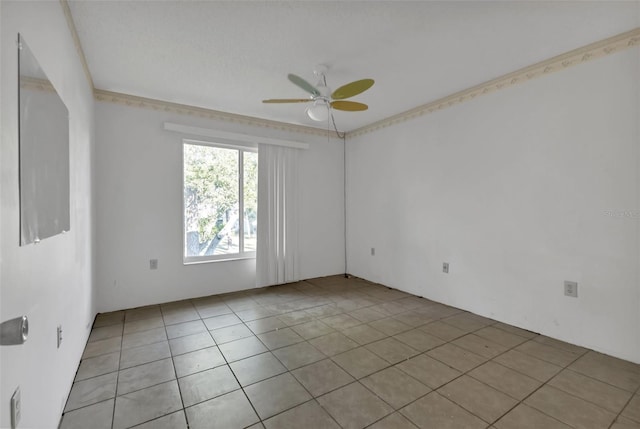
[229, 55]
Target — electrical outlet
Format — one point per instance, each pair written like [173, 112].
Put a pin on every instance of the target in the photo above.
[153, 264]
[59, 335]
[571, 289]
[373, 251]
[445, 267]
[16, 405]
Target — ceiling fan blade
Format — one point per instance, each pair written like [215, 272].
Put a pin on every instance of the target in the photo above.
[297, 80]
[349, 106]
[351, 89]
[288, 100]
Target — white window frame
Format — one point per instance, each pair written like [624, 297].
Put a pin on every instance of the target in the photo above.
[241, 147]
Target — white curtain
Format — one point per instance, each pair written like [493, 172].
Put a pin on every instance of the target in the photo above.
[277, 252]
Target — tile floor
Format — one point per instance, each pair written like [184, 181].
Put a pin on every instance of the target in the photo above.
[338, 353]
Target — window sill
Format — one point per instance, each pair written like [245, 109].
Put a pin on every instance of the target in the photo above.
[222, 259]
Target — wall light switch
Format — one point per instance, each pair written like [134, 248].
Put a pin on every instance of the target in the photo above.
[373, 251]
[445, 267]
[153, 264]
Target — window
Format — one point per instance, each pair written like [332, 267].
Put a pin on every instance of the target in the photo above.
[220, 201]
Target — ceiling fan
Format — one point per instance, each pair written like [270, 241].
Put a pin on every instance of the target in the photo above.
[322, 97]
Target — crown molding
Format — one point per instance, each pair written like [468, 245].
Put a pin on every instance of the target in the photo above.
[561, 62]
[76, 40]
[199, 112]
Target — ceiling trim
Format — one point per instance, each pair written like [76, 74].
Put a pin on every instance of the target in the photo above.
[552, 65]
[76, 40]
[182, 109]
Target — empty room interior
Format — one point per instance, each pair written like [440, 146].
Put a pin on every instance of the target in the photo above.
[320, 214]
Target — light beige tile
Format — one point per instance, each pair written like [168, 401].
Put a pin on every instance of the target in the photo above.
[546, 353]
[364, 334]
[341, 321]
[105, 332]
[624, 375]
[571, 348]
[353, 406]
[500, 336]
[528, 365]
[479, 345]
[592, 390]
[206, 385]
[313, 329]
[457, 357]
[222, 321]
[295, 318]
[106, 319]
[322, 377]
[524, 417]
[190, 343]
[298, 355]
[143, 338]
[395, 387]
[436, 411]
[97, 416]
[429, 371]
[632, 410]
[569, 409]
[394, 421]
[280, 338]
[185, 328]
[179, 315]
[91, 391]
[175, 420]
[267, 324]
[624, 423]
[442, 330]
[506, 380]
[390, 326]
[483, 401]
[413, 318]
[196, 361]
[141, 313]
[515, 330]
[230, 411]
[102, 347]
[98, 365]
[144, 354]
[366, 315]
[257, 368]
[392, 350]
[468, 322]
[240, 349]
[360, 362]
[143, 325]
[308, 416]
[419, 340]
[274, 395]
[147, 404]
[334, 343]
[142, 376]
[231, 333]
[217, 309]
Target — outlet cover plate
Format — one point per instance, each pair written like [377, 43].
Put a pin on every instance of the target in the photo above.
[373, 251]
[571, 289]
[153, 264]
[445, 267]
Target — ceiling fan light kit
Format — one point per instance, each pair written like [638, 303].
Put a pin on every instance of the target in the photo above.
[322, 97]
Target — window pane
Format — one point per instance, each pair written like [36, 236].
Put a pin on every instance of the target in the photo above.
[250, 200]
[210, 200]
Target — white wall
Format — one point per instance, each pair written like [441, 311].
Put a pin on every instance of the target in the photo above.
[139, 210]
[518, 190]
[50, 282]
